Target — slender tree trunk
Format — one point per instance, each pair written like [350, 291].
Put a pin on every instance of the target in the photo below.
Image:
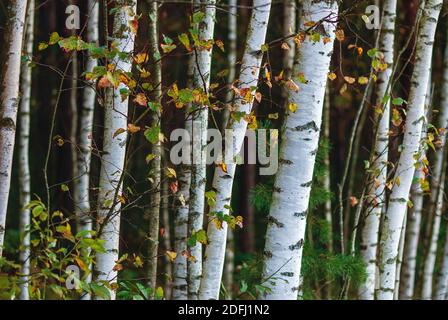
[289, 27]
[231, 64]
[23, 150]
[327, 179]
[222, 180]
[167, 266]
[84, 138]
[201, 79]
[9, 101]
[393, 222]
[232, 50]
[412, 237]
[400, 260]
[369, 242]
[113, 159]
[430, 261]
[181, 217]
[155, 69]
[289, 208]
[81, 183]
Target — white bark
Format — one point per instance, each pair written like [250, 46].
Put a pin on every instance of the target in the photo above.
[180, 285]
[393, 221]
[84, 139]
[113, 159]
[23, 153]
[9, 100]
[201, 79]
[400, 260]
[442, 284]
[222, 181]
[290, 199]
[369, 242]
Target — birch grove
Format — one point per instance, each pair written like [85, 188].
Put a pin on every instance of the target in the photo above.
[398, 202]
[371, 227]
[223, 150]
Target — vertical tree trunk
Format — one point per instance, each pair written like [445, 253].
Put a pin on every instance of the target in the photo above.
[201, 80]
[81, 183]
[154, 201]
[84, 138]
[23, 152]
[289, 208]
[231, 64]
[289, 28]
[430, 261]
[369, 242]
[165, 215]
[400, 260]
[327, 179]
[223, 181]
[393, 222]
[9, 101]
[113, 158]
[181, 217]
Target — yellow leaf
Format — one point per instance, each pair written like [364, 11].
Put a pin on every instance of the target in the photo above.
[171, 255]
[363, 80]
[118, 132]
[332, 76]
[349, 80]
[133, 128]
[171, 173]
[141, 58]
[340, 35]
[293, 107]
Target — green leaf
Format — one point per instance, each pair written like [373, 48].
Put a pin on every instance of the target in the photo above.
[152, 134]
[198, 17]
[100, 291]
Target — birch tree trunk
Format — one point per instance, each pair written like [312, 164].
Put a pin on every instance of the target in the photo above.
[290, 199]
[201, 79]
[442, 284]
[180, 287]
[393, 221]
[113, 159]
[156, 81]
[223, 181]
[81, 183]
[289, 28]
[9, 101]
[231, 64]
[84, 137]
[400, 260]
[412, 237]
[369, 242]
[23, 152]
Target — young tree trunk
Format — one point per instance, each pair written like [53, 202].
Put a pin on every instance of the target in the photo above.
[393, 222]
[81, 183]
[369, 242]
[231, 64]
[442, 284]
[23, 152]
[400, 260]
[289, 28]
[412, 236]
[165, 216]
[9, 101]
[327, 179]
[113, 158]
[290, 199]
[156, 81]
[180, 286]
[84, 138]
[201, 80]
[430, 261]
[223, 181]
